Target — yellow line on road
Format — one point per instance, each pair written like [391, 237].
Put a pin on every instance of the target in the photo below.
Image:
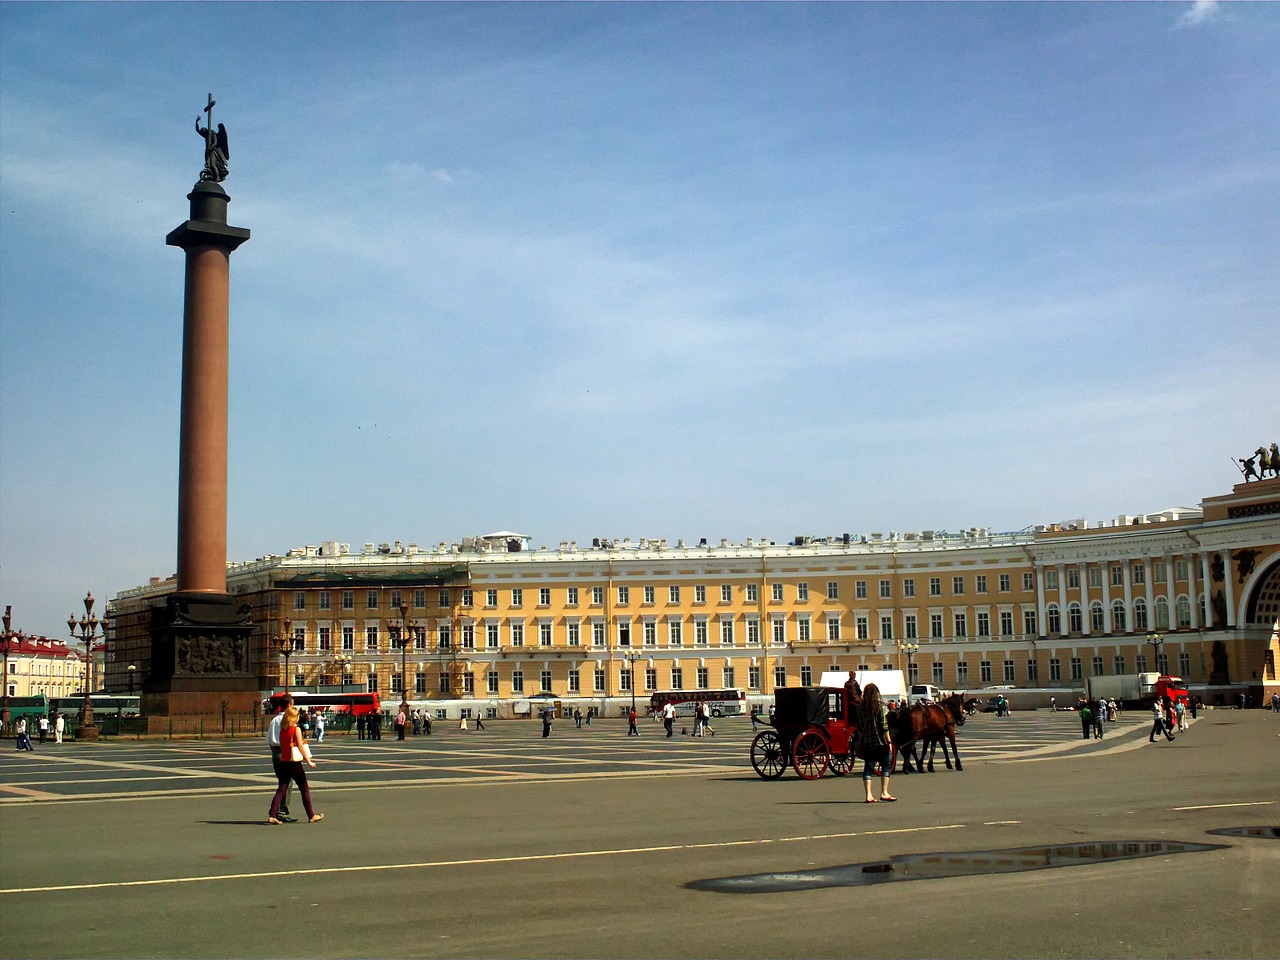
[479, 861]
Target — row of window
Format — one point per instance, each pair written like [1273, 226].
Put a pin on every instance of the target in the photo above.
[465, 681]
[649, 594]
[1116, 571]
[544, 632]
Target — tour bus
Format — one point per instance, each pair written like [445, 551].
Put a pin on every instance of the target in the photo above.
[126, 704]
[723, 703]
[356, 704]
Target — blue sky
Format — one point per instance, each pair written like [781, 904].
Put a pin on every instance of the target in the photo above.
[634, 270]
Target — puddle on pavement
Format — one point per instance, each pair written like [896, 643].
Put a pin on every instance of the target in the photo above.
[928, 866]
[1267, 833]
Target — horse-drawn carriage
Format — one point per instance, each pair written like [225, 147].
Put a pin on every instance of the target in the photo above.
[814, 729]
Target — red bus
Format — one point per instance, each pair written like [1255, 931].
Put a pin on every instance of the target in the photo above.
[723, 703]
[357, 704]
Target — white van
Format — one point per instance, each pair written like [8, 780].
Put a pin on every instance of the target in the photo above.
[923, 691]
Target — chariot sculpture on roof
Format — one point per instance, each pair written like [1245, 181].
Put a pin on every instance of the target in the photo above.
[216, 151]
[1262, 464]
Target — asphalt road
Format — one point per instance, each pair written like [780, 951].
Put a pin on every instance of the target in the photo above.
[590, 844]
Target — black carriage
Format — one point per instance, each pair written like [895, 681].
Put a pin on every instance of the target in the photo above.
[814, 729]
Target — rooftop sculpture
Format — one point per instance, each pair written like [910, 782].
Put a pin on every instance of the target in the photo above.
[216, 151]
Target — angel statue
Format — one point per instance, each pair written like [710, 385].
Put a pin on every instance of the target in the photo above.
[216, 151]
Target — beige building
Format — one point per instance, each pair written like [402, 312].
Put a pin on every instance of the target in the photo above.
[40, 666]
[1190, 591]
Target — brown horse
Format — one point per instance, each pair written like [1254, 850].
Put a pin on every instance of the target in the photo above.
[926, 725]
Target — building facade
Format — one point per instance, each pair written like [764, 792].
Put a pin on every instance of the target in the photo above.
[41, 666]
[1194, 592]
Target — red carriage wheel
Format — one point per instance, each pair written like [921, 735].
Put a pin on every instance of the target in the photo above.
[842, 763]
[809, 755]
[768, 755]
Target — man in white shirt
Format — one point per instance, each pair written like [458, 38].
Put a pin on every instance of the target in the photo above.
[273, 741]
[668, 716]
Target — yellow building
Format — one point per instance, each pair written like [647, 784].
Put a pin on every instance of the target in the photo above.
[39, 666]
[1194, 592]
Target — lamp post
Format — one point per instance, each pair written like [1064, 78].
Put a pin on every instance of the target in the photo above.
[133, 673]
[88, 626]
[7, 642]
[632, 659]
[1156, 640]
[910, 650]
[285, 642]
[342, 661]
[404, 653]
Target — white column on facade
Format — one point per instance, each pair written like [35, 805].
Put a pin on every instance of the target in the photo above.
[1064, 623]
[1151, 593]
[1170, 591]
[1205, 607]
[1229, 588]
[1127, 568]
[1192, 596]
[1041, 619]
[1106, 598]
[1084, 600]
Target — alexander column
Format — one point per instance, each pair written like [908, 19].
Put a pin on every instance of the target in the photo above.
[200, 635]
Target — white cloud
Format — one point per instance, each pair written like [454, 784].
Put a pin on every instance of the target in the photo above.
[1200, 13]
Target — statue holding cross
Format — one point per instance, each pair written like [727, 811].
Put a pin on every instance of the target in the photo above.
[216, 151]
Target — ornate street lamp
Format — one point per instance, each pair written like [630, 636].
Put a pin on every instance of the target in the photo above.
[342, 661]
[910, 649]
[284, 641]
[632, 659]
[133, 675]
[88, 626]
[404, 652]
[1156, 640]
[8, 641]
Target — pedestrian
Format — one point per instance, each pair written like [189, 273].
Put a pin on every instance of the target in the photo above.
[1180, 712]
[1195, 705]
[1099, 715]
[706, 720]
[44, 728]
[546, 722]
[1158, 724]
[24, 739]
[1275, 703]
[426, 723]
[320, 726]
[773, 708]
[668, 717]
[479, 722]
[360, 726]
[590, 713]
[577, 717]
[417, 722]
[294, 753]
[1086, 718]
[401, 720]
[755, 718]
[277, 764]
[632, 729]
[59, 727]
[697, 719]
[1244, 700]
[874, 742]
[1053, 704]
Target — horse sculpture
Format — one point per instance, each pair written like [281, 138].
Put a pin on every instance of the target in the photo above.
[927, 725]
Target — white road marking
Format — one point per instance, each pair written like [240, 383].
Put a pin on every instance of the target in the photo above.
[1218, 806]
[479, 861]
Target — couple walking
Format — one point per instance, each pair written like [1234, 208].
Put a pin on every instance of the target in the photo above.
[289, 751]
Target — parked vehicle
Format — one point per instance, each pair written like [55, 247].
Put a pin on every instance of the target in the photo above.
[1137, 690]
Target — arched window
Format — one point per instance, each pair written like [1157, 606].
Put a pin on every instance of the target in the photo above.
[1118, 619]
[1095, 616]
[1184, 613]
[1162, 613]
[1139, 614]
[1075, 617]
[1055, 618]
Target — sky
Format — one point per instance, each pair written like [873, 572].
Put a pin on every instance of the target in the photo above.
[633, 270]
